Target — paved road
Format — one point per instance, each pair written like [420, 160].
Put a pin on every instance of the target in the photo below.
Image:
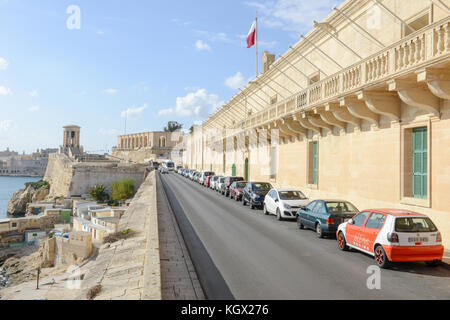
[262, 258]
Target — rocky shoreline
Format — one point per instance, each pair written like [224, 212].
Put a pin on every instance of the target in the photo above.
[33, 192]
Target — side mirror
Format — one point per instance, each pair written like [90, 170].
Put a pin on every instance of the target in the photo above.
[276, 200]
[351, 221]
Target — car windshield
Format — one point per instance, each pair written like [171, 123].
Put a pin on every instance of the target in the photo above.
[170, 164]
[414, 225]
[340, 207]
[291, 195]
[240, 184]
[221, 180]
[209, 174]
[261, 186]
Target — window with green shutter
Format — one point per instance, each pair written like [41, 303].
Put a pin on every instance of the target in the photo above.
[420, 162]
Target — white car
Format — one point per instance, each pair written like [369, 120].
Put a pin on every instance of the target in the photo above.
[284, 203]
[219, 182]
[392, 235]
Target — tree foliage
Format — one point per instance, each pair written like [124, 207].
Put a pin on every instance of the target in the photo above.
[98, 193]
[122, 190]
[173, 126]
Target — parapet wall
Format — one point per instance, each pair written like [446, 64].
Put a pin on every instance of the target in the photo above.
[137, 156]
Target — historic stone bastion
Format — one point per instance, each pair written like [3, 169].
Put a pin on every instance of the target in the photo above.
[71, 172]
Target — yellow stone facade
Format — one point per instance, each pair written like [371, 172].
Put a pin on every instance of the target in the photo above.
[361, 87]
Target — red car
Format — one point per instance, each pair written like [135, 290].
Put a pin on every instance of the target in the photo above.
[236, 190]
[207, 181]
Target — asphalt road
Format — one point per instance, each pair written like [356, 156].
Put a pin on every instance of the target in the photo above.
[262, 258]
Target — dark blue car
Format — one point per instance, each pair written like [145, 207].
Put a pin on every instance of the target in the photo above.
[254, 194]
[324, 216]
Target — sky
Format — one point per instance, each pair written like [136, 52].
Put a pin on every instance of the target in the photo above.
[100, 64]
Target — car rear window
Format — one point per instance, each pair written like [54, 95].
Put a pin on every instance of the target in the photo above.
[240, 184]
[340, 207]
[262, 186]
[291, 195]
[418, 224]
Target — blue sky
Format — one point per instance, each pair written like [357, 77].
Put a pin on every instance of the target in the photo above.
[155, 61]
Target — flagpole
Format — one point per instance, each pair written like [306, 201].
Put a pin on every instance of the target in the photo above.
[256, 44]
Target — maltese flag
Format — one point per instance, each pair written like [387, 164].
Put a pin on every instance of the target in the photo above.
[251, 35]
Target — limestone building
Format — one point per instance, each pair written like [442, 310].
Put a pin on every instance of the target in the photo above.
[148, 145]
[357, 109]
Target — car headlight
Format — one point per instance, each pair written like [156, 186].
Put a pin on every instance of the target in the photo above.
[286, 206]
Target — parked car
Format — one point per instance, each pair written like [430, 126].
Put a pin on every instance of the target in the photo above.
[163, 170]
[205, 175]
[284, 203]
[212, 182]
[207, 181]
[236, 190]
[219, 182]
[324, 216]
[392, 235]
[254, 193]
[225, 187]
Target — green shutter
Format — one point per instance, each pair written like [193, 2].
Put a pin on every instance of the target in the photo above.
[233, 170]
[420, 163]
[314, 162]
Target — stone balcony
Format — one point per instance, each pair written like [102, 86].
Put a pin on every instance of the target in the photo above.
[414, 70]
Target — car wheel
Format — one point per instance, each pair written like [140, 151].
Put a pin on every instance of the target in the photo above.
[237, 198]
[243, 201]
[342, 243]
[300, 225]
[381, 257]
[265, 211]
[252, 206]
[433, 263]
[279, 217]
[231, 196]
[319, 230]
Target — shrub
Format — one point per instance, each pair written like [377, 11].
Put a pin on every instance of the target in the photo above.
[38, 184]
[98, 193]
[122, 190]
[114, 237]
[93, 292]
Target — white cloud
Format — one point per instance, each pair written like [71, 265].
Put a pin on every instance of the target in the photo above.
[34, 93]
[293, 15]
[194, 104]
[110, 91]
[5, 125]
[3, 64]
[100, 32]
[214, 36]
[33, 108]
[5, 91]
[201, 46]
[235, 82]
[133, 111]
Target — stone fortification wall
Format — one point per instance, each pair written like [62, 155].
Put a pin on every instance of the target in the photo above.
[68, 178]
[59, 174]
[137, 156]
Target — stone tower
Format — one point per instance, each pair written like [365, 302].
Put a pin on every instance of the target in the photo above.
[71, 141]
[71, 137]
[267, 60]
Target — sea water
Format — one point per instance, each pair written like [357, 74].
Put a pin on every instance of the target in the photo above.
[10, 185]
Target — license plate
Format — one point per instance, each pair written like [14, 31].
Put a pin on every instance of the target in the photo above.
[417, 239]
